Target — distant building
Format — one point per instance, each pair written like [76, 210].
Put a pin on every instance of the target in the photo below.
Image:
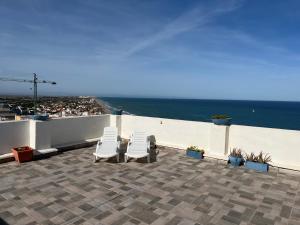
[5, 114]
[22, 117]
[85, 113]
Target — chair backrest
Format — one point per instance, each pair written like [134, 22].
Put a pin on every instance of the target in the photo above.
[110, 134]
[139, 140]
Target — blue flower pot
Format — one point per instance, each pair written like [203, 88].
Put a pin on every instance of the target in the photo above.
[194, 154]
[235, 161]
[225, 122]
[261, 167]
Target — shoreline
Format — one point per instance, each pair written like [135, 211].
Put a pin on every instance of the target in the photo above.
[106, 108]
[109, 108]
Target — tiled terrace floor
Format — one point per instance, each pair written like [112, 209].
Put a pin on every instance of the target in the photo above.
[70, 189]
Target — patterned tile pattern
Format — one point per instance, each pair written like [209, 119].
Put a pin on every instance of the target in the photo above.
[174, 190]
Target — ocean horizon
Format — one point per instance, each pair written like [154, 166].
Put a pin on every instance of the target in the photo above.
[272, 114]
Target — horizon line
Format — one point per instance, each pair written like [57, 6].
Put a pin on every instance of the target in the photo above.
[149, 97]
[210, 99]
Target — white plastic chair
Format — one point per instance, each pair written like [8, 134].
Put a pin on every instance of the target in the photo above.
[108, 146]
[138, 146]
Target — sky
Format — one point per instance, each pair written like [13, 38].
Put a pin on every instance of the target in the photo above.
[216, 49]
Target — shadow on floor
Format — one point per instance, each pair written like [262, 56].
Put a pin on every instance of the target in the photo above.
[3, 222]
[153, 157]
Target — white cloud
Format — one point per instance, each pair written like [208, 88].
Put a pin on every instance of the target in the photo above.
[197, 16]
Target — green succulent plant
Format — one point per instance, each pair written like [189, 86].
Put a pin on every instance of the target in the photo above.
[195, 149]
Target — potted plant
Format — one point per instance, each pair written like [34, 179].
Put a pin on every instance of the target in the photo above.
[23, 154]
[118, 112]
[259, 162]
[195, 152]
[42, 117]
[221, 120]
[235, 157]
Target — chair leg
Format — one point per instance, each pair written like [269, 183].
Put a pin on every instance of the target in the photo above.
[95, 159]
[125, 158]
[148, 158]
[118, 158]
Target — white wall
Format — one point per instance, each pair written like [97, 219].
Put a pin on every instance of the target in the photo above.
[70, 130]
[169, 132]
[282, 145]
[218, 141]
[116, 121]
[13, 134]
[52, 133]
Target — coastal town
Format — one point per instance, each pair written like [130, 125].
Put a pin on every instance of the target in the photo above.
[22, 107]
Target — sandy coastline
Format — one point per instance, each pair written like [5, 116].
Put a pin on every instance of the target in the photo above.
[106, 108]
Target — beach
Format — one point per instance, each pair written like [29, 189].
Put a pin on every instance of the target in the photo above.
[106, 109]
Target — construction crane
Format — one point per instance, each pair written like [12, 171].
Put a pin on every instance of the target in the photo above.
[35, 81]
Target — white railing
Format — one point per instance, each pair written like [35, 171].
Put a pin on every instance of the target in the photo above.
[282, 145]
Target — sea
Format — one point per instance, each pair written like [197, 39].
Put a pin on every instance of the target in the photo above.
[273, 114]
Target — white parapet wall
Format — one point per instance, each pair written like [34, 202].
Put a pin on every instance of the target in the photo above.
[67, 131]
[169, 132]
[13, 134]
[51, 134]
[282, 145]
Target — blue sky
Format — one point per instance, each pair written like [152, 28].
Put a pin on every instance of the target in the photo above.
[216, 49]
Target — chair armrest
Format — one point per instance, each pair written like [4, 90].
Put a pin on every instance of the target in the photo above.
[130, 139]
[99, 143]
[119, 138]
[148, 145]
